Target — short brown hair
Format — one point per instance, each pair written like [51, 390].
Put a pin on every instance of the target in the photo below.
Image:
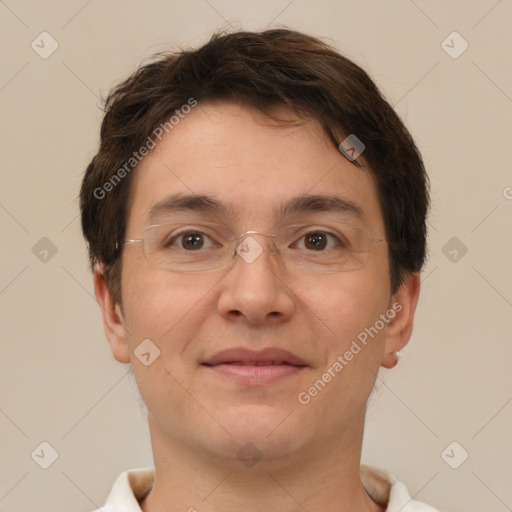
[260, 70]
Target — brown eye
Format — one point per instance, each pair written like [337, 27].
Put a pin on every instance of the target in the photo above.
[316, 241]
[192, 241]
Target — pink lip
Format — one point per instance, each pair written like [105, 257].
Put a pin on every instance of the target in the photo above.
[244, 356]
[256, 367]
[256, 375]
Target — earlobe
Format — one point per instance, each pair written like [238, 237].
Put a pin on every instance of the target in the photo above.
[113, 319]
[399, 328]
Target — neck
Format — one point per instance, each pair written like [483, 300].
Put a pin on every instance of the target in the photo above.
[323, 478]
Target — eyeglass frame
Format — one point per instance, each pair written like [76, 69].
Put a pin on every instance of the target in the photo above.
[237, 238]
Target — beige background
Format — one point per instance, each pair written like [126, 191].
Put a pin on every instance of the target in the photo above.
[59, 382]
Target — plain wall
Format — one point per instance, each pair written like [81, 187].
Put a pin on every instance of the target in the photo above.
[59, 381]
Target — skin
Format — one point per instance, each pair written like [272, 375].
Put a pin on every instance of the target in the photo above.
[199, 419]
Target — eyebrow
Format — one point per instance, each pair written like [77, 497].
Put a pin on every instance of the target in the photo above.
[319, 203]
[191, 203]
[305, 203]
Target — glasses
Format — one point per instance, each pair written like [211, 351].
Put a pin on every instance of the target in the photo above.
[207, 247]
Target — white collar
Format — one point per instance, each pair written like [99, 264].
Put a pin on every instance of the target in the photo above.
[133, 485]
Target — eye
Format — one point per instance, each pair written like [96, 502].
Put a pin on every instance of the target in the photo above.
[191, 241]
[317, 241]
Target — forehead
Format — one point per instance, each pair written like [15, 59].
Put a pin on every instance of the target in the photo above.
[250, 164]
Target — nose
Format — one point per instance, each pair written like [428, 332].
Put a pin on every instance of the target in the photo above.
[255, 290]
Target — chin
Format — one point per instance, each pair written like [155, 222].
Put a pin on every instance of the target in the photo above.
[269, 432]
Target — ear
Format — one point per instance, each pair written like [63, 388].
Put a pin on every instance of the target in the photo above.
[399, 328]
[113, 320]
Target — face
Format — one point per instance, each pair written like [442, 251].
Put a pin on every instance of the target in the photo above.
[248, 352]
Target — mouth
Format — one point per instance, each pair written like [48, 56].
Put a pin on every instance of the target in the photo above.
[256, 363]
[255, 367]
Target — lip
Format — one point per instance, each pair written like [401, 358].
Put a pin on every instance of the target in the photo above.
[255, 367]
[243, 356]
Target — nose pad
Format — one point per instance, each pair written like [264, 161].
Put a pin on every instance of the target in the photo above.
[249, 249]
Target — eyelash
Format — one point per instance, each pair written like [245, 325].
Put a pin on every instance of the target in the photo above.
[178, 236]
[322, 232]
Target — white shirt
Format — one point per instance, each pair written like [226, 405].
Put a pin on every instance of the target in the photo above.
[133, 485]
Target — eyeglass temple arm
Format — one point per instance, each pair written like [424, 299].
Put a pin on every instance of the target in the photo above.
[126, 242]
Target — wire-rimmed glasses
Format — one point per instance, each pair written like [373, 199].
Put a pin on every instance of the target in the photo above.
[209, 246]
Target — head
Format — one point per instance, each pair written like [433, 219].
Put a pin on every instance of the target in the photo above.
[235, 132]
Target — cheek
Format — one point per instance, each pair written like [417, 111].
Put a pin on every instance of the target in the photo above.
[163, 307]
[347, 308]
[343, 305]
[170, 312]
